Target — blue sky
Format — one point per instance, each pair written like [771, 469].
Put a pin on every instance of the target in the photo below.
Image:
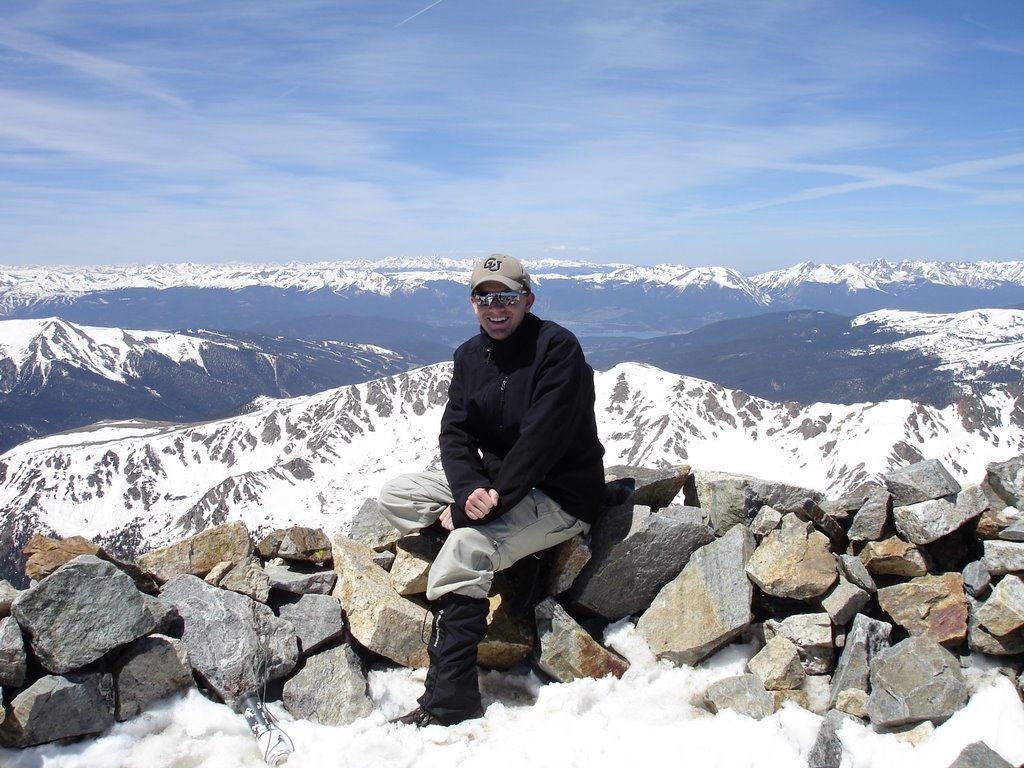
[750, 134]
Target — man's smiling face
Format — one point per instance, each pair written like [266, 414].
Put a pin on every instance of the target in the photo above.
[498, 320]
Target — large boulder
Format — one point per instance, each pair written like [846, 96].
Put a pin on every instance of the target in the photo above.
[317, 619]
[933, 605]
[84, 609]
[1003, 612]
[622, 577]
[233, 642]
[150, 669]
[926, 521]
[728, 499]
[794, 561]
[378, 617]
[707, 605]
[1004, 482]
[199, 554]
[915, 680]
[872, 518]
[329, 689]
[921, 481]
[56, 707]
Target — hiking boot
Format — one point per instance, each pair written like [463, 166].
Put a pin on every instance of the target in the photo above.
[421, 718]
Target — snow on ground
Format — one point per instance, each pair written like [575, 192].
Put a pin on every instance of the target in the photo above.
[652, 715]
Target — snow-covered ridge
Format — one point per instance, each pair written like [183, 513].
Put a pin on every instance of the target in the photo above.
[115, 353]
[966, 341]
[20, 285]
[880, 275]
[314, 460]
[108, 352]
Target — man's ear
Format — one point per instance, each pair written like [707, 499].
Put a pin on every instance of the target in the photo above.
[528, 299]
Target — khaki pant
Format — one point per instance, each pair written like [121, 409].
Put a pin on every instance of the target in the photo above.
[471, 556]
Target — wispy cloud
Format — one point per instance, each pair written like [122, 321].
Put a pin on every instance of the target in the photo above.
[317, 127]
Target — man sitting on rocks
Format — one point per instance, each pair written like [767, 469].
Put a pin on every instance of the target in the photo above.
[522, 472]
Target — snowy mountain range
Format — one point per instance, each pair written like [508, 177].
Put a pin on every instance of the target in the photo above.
[314, 460]
[811, 355]
[894, 361]
[56, 375]
[593, 299]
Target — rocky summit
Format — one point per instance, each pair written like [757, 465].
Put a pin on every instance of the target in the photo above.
[875, 607]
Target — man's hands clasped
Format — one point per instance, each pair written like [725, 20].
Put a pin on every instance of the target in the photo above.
[478, 506]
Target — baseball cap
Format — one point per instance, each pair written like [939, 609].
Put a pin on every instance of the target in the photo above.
[503, 269]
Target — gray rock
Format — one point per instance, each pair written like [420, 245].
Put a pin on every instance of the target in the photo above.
[317, 620]
[1005, 481]
[765, 521]
[56, 707]
[299, 543]
[1014, 531]
[1003, 612]
[827, 751]
[793, 562]
[729, 499]
[329, 689]
[621, 579]
[743, 694]
[871, 520]
[150, 669]
[977, 579]
[566, 652]
[301, 578]
[930, 520]
[1003, 556]
[915, 680]
[371, 529]
[979, 755]
[164, 614]
[812, 635]
[852, 569]
[844, 601]
[866, 639]
[13, 658]
[81, 611]
[654, 488]
[235, 643]
[981, 640]
[920, 482]
[706, 606]
[7, 595]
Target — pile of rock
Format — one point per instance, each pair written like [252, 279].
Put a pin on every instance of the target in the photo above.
[864, 607]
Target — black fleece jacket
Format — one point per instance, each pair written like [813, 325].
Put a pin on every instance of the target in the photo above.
[520, 416]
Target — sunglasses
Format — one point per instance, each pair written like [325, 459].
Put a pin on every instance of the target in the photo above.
[508, 298]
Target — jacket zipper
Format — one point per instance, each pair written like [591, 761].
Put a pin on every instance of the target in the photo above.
[501, 405]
